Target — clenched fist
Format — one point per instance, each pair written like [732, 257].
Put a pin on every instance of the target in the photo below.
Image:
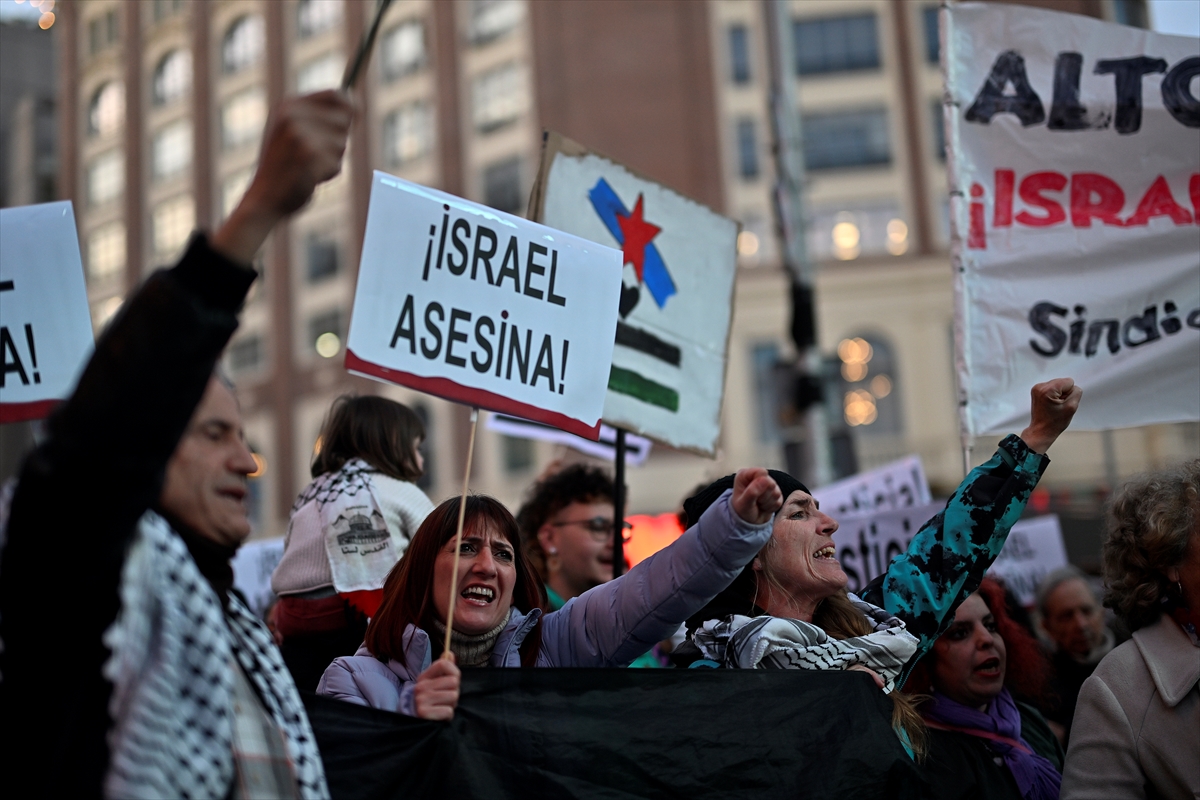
[1052, 405]
[756, 496]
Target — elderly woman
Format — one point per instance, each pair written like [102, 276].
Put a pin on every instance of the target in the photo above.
[499, 608]
[1136, 732]
[789, 608]
[985, 741]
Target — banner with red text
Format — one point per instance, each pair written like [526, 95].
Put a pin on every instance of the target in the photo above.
[1074, 169]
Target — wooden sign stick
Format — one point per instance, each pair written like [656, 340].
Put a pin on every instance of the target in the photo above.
[363, 54]
[462, 510]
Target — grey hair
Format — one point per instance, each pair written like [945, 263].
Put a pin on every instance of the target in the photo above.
[1057, 578]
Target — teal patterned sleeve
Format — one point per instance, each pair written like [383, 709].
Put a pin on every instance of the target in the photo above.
[949, 555]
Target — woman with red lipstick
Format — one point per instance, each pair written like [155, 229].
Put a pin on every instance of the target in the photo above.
[984, 741]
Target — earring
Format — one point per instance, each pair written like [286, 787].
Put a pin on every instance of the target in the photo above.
[553, 551]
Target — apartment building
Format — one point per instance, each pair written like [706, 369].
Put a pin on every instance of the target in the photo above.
[163, 104]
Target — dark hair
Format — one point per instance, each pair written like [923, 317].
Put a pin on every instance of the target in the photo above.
[1027, 670]
[408, 590]
[577, 483]
[375, 429]
[1151, 521]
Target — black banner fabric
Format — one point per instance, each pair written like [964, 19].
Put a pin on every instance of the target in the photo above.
[615, 733]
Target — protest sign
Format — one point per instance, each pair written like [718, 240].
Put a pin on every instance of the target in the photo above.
[893, 486]
[867, 544]
[45, 326]
[1074, 169]
[637, 448]
[471, 304]
[676, 304]
[252, 568]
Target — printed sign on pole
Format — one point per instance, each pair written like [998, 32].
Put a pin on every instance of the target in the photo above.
[1074, 170]
[45, 327]
[1033, 550]
[676, 305]
[893, 486]
[252, 568]
[471, 304]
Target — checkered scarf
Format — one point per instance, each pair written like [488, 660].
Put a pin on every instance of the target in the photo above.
[172, 670]
[777, 643]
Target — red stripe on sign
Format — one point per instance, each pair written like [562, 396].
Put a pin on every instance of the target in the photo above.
[448, 389]
[23, 412]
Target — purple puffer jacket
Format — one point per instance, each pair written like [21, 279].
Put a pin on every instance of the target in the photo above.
[607, 626]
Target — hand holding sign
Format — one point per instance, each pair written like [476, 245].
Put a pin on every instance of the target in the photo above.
[1052, 407]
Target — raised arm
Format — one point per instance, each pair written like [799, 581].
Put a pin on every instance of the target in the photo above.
[949, 555]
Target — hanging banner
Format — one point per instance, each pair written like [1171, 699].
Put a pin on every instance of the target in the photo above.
[637, 448]
[680, 258]
[45, 326]
[485, 308]
[898, 485]
[1074, 169]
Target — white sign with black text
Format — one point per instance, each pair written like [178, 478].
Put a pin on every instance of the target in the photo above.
[898, 485]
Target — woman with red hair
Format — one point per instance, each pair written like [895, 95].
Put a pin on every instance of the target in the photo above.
[984, 742]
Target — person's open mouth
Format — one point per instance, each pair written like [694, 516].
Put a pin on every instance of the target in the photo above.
[826, 553]
[477, 595]
[989, 668]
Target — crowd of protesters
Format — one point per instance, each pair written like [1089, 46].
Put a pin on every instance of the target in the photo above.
[124, 521]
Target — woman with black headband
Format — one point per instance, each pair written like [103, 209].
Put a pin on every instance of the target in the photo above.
[789, 608]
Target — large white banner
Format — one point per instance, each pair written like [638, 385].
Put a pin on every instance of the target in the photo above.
[1074, 163]
[898, 485]
[45, 327]
[676, 303]
[468, 303]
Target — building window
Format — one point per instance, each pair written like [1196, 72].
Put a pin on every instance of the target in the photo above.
[243, 117]
[403, 49]
[846, 139]
[407, 133]
[166, 8]
[172, 77]
[106, 177]
[765, 358]
[518, 453]
[739, 53]
[243, 44]
[747, 144]
[317, 16]
[938, 119]
[106, 112]
[502, 186]
[171, 152]
[870, 402]
[498, 97]
[104, 32]
[929, 16]
[106, 252]
[490, 19]
[173, 222]
[322, 73]
[836, 44]
[847, 232]
[326, 332]
[322, 258]
[232, 190]
[246, 354]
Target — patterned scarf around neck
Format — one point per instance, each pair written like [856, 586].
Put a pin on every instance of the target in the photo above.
[1036, 777]
[777, 643]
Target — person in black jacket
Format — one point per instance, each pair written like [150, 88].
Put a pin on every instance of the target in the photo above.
[117, 624]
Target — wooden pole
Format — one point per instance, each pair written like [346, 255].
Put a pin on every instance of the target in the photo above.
[619, 506]
[361, 56]
[462, 510]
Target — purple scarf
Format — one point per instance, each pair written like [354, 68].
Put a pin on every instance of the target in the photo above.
[1036, 777]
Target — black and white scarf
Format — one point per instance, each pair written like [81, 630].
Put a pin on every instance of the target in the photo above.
[777, 643]
[172, 670]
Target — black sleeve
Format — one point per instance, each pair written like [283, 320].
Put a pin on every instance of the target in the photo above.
[75, 508]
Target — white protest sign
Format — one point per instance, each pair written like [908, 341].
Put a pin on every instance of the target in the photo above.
[45, 327]
[1033, 550]
[1074, 169]
[866, 545]
[637, 448]
[471, 304]
[252, 568]
[893, 486]
[668, 368]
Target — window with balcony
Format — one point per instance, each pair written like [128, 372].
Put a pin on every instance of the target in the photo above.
[243, 44]
[171, 151]
[846, 139]
[407, 133]
[870, 402]
[104, 32]
[739, 54]
[502, 186]
[488, 20]
[172, 77]
[106, 177]
[835, 44]
[498, 97]
[106, 111]
[173, 221]
[320, 73]
[106, 253]
[402, 50]
[317, 16]
[867, 228]
[747, 147]
[243, 117]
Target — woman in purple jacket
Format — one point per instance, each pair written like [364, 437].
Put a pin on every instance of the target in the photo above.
[499, 612]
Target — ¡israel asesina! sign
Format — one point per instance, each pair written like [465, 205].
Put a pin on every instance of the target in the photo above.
[1074, 161]
[471, 304]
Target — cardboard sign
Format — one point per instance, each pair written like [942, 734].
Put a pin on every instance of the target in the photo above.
[471, 304]
[668, 369]
[866, 545]
[1074, 168]
[45, 327]
[898, 485]
[637, 448]
[252, 568]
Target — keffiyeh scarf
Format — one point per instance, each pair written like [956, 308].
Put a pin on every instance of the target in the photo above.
[777, 643]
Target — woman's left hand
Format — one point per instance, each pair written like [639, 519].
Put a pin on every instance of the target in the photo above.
[869, 671]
